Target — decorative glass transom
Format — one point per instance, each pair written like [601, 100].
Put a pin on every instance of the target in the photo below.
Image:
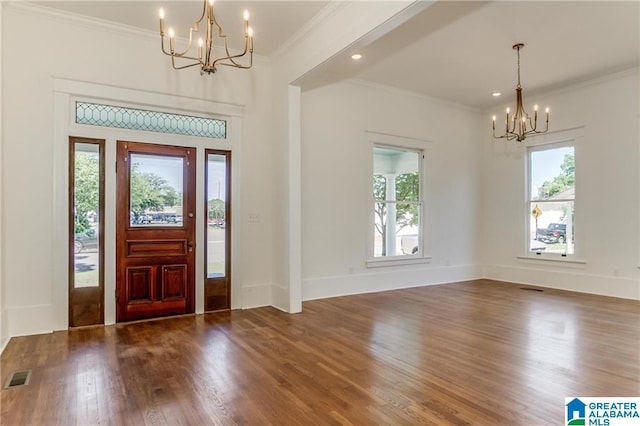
[152, 121]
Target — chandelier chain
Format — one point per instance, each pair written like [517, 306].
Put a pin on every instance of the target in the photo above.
[518, 49]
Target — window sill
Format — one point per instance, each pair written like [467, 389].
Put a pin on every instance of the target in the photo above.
[397, 261]
[550, 258]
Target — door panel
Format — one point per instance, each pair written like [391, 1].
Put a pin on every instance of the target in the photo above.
[174, 280]
[139, 285]
[155, 232]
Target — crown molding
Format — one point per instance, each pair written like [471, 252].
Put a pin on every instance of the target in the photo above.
[76, 18]
[91, 22]
[328, 10]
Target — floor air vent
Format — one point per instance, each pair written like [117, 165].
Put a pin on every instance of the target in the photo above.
[19, 378]
[531, 289]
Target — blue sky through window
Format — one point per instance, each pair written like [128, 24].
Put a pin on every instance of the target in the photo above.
[545, 165]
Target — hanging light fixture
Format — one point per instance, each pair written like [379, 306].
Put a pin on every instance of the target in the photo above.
[204, 56]
[518, 125]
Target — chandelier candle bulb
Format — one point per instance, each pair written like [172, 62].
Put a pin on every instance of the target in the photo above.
[171, 35]
[200, 44]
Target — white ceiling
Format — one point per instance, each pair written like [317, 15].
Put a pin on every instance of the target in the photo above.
[462, 51]
[273, 22]
[453, 50]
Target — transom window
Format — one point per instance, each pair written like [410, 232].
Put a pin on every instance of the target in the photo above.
[397, 201]
[551, 199]
[152, 121]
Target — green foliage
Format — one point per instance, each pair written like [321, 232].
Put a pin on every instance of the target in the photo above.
[86, 181]
[216, 209]
[562, 182]
[407, 189]
[151, 192]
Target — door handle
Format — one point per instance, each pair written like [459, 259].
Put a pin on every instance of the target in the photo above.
[189, 243]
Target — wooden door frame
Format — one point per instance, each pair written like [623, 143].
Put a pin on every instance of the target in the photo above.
[90, 295]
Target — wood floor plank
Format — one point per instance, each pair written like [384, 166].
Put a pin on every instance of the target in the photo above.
[479, 352]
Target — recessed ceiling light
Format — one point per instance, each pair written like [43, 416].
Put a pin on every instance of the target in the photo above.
[496, 94]
[356, 56]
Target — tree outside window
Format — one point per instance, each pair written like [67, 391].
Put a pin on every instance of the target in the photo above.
[397, 201]
[551, 199]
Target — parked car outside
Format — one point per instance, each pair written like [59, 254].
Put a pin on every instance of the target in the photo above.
[87, 240]
[554, 233]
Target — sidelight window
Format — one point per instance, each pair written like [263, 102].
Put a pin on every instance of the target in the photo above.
[87, 192]
[86, 231]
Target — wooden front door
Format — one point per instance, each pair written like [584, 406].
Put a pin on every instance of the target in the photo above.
[155, 230]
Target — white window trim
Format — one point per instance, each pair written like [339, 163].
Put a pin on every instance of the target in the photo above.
[561, 259]
[556, 139]
[376, 139]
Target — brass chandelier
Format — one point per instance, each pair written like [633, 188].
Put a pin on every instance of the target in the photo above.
[517, 126]
[204, 56]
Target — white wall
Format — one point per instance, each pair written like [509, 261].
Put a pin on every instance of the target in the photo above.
[38, 47]
[607, 212]
[4, 335]
[336, 186]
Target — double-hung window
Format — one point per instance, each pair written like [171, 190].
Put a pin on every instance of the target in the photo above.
[397, 201]
[551, 199]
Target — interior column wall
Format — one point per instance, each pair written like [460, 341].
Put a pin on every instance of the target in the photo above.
[340, 26]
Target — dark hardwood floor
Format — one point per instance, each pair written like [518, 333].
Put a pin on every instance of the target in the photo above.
[481, 353]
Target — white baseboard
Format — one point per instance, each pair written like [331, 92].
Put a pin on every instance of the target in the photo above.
[370, 282]
[626, 288]
[280, 298]
[256, 296]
